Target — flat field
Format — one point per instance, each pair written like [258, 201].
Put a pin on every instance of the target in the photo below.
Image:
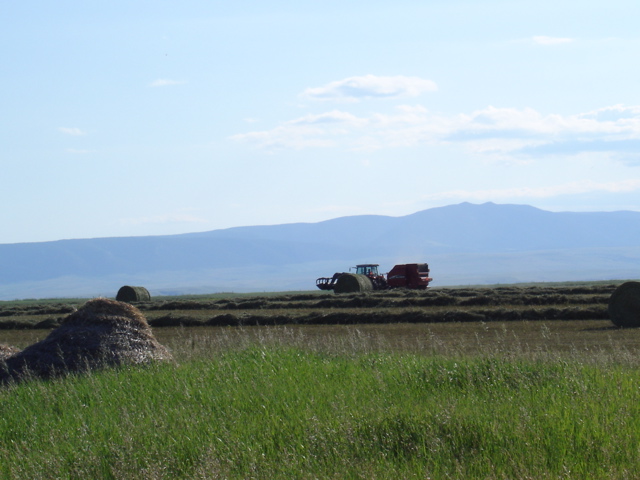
[521, 320]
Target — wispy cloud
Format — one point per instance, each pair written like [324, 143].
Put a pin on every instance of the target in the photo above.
[616, 113]
[371, 86]
[75, 131]
[335, 116]
[338, 129]
[508, 122]
[492, 130]
[289, 135]
[165, 82]
[528, 132]
[548, 41]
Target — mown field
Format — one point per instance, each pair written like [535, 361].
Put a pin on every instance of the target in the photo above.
[505, 382]
[535, 318]
[587, 302]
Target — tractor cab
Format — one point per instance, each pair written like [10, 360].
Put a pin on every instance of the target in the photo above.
[369, 269]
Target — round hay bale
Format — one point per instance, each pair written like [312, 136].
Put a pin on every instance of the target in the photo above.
[133, 294]
[101, 333]
[624, 305]
[353, 283]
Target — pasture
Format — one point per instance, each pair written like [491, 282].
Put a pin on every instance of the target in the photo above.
[507, 382]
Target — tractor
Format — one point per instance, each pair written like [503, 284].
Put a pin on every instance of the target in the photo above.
[366, 278]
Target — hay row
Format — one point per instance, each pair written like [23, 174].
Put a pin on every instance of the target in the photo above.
[395, 298]
[373, 300]
[379, 317]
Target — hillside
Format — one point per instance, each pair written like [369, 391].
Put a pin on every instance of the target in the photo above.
[464, 244]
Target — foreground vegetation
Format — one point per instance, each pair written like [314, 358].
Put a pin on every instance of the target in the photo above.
[269, 411]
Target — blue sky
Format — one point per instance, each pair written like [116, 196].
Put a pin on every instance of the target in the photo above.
[156, 117]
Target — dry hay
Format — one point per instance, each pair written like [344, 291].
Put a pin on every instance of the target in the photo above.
[133, 294]
[7, 350]
[101, 333]
[624, 305]
[353, 283]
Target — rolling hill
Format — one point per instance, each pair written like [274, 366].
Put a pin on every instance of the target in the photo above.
[463, 243]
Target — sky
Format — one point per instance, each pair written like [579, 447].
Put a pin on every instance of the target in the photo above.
[164, 117]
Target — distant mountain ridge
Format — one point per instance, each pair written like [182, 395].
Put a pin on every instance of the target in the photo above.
[464, 243]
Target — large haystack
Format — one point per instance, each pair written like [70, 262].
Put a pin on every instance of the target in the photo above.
[133, 294]
[7, 350]
[353, 283]
[102, 332]
[624, 305]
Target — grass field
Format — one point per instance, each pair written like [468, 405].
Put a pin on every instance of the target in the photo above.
[548, 389]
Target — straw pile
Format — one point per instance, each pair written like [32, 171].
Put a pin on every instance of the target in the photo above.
[624, 305]
[353, 283]
[133, 294]
[101, 333]
[7, 350]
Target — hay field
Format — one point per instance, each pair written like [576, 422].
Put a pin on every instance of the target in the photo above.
[505, 383]
[525, 320]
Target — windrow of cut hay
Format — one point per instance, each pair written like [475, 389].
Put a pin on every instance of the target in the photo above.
[374, 316]
[512, 303]
[397, 299]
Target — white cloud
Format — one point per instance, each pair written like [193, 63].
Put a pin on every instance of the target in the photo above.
[335, 116]
[72, 131]
[615, 113]
[612, 131]
[313, 130]
[547, 41]
[493, 131]
[371, 86]
[510, 129]
[289, 135]
[165, 82]
[338, 128]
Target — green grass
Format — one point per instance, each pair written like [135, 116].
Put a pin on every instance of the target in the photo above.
[272, 411]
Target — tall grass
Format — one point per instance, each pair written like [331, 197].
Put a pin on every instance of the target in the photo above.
[274, 411]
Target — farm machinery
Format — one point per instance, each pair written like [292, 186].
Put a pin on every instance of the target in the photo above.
[367, 278]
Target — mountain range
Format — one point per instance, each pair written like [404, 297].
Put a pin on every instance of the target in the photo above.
[464, 244]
